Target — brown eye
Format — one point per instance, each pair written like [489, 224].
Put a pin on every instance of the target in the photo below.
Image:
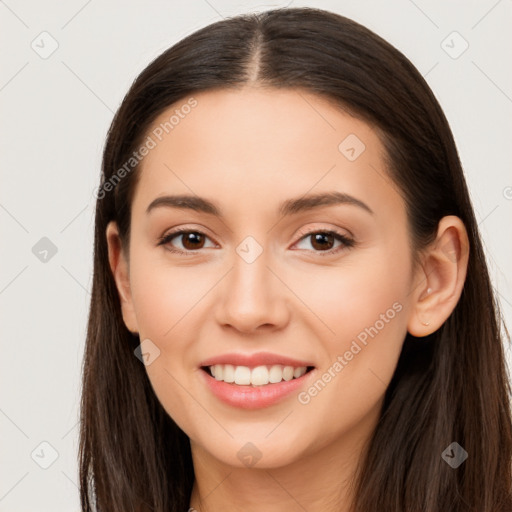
[322, 241]
[190, 241]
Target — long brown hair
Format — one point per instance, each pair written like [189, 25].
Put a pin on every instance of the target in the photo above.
[451, 386]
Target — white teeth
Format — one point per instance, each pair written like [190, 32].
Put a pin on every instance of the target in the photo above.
[299, 372]
[275, 374]
[229, 373]
[288, 373]
[258, 376]
[218, 371]
[242, 375]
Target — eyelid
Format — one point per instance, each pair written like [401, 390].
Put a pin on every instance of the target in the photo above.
[175, 233]
[185, 229]
[347, 241]
[323, 229]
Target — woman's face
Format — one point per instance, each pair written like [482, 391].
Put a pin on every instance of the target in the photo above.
[261, 274]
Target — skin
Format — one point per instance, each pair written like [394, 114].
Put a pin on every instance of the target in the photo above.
[248, 150]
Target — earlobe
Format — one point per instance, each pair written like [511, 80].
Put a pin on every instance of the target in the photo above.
[120, 271]
[440, 280]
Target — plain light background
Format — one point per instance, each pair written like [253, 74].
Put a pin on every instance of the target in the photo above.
[56, 110]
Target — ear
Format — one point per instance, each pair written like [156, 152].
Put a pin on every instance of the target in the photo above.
[120, 270]
[440, 278]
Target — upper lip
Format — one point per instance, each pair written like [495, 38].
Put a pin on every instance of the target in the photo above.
[253, 360]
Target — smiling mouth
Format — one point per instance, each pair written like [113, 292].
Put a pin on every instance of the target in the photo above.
[258, 376]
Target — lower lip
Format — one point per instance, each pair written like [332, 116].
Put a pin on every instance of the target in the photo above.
[253, 397]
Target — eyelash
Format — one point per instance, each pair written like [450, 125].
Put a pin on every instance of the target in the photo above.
[346, 241]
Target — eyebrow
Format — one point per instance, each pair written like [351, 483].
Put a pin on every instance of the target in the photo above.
[287, 208]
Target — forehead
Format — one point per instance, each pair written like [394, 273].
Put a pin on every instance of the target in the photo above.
[264, 144]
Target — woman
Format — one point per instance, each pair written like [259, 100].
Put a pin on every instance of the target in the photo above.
[291, 307]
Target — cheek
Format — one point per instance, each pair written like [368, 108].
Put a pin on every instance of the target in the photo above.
[167, 300]
[164, 294]
[354, 295]
[362, 305]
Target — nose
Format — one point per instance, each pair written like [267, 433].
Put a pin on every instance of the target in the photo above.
[252, 296]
